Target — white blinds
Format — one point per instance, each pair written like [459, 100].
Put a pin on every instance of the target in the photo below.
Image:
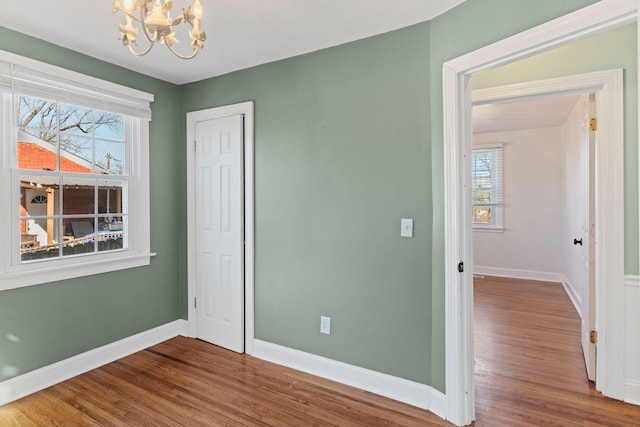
[487, 175]
[28, 77]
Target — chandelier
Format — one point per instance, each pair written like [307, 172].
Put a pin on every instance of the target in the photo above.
[157, 25]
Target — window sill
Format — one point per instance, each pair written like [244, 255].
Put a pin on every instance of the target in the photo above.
[22, 278]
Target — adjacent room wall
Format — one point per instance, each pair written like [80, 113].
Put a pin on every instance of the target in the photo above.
[530, 245]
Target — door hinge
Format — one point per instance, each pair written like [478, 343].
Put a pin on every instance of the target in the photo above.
[195, 303]
[593, 337]
[460, 267]
[593, 124]
[195, 145]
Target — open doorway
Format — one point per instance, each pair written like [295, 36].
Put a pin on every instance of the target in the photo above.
[538, 208]
[458, 237]
[532, 256]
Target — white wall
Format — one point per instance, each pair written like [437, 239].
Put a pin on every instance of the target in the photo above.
[530, 245]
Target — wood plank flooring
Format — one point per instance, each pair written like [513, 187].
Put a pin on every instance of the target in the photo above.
[529, 372]
[529, 368]
[187, 382]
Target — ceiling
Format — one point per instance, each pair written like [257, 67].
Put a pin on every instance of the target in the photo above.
[245, 33]
[240, 33]
[532, 114]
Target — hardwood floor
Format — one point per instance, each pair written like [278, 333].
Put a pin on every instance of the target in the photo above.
[186, 382]
[529, 372]
[529, 365]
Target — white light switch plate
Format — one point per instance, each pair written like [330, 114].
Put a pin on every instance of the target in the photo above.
[325, 325]
[406, 227]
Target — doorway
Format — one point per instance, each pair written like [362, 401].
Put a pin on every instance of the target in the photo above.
[220, 224]
[549, 196]
[457, 134]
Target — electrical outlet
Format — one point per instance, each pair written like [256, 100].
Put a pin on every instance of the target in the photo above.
[325, 325]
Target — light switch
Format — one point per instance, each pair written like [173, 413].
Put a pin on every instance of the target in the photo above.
[325, 325]
[406, 227]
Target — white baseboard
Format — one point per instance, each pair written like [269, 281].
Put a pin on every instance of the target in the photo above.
[631, 339]
[632, 392]
[31, 382]
[412, 393]
[518, 274]
[633, 281]
[573, 295]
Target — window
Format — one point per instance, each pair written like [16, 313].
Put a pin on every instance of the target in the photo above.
[487, 187]
[74, 194]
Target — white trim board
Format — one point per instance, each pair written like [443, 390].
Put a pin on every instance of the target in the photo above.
[246, 109]
[573, 295]
[632, 319]
[596, 18]
[410, 392]
[632, 280]
[632, 392]
[519, 274]
[23, 385]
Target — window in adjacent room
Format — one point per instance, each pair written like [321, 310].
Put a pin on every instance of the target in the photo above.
[487, 186]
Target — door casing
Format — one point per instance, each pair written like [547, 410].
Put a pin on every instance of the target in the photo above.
[602, 16]
[245, 109]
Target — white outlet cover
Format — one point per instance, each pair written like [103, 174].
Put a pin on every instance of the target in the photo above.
[406, 227]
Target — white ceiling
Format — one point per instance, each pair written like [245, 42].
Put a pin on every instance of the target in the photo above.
[532, 114]
[240, 33]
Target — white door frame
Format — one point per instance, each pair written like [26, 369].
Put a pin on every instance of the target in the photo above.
[599, 17]
[246, 109]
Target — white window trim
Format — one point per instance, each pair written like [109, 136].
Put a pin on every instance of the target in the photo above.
[137, 253]
[498, 223]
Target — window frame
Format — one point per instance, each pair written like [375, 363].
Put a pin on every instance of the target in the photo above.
[134, 105]
[497, 183]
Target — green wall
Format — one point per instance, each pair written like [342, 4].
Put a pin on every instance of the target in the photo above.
[610, 50]
[43, 324]
[348, 140]
[341, 155]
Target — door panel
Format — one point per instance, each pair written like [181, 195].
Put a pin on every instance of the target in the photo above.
[587, 251]
[219, 232]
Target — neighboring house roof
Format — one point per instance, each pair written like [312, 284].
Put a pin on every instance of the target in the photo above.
[34, 152]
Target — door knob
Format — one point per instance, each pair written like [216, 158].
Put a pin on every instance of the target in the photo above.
[577, 242]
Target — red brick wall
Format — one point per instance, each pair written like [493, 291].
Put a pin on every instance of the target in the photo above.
[23, 212]
[32, 156]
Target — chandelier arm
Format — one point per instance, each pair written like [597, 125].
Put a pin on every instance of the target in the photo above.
[195, 52]
[133, 52]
